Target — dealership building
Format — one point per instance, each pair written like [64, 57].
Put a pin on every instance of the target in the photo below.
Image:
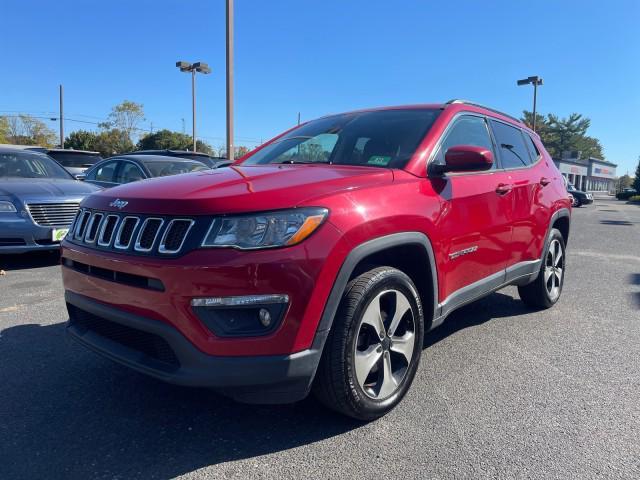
[590, 174]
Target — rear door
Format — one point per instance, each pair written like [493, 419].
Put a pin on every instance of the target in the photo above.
[475, 219]
[521, 161]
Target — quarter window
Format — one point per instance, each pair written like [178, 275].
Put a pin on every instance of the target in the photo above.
[467, 130]
[513, 151]
[129, 172]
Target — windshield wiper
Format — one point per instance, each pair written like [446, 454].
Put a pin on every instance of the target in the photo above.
[302, 162]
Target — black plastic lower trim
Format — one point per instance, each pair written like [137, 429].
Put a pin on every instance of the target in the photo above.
[254, 379]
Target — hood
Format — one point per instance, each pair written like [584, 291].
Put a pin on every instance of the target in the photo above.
[45, 189]
[238, 189]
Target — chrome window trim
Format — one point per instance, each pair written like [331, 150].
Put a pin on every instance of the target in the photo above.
[116, 243]
[161, 248]
[103, 227]
[136, 246]
[92, 220]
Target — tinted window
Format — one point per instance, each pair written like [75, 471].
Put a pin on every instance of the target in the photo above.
[129, 172]
[30, 165]
[163, 169]
[104, 173]
[467, 130]
[513, 152]
[533, 149]
[383, 138]
[77, 160]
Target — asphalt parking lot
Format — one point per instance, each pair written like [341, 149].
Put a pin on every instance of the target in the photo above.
[502, 391]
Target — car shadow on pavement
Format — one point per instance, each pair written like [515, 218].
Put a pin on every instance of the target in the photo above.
[67, 413]
[496, 305]
[24, 261]
[634, 279]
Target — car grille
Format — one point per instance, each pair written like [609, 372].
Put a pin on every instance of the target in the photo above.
[53, 214]
[131, 233]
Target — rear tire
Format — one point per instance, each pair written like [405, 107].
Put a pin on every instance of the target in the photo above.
[374, 347]
[546, 289]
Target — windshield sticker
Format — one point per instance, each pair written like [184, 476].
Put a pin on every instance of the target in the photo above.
[379, 160]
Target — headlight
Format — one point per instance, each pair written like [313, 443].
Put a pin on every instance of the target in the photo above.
[7, 207]
[265, 230]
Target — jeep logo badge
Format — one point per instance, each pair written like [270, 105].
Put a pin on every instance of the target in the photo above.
[119, 204]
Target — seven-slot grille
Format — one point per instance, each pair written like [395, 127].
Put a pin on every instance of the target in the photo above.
[53, 214]
[130, 232]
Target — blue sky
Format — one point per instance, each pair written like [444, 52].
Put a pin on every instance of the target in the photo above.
[319, 57]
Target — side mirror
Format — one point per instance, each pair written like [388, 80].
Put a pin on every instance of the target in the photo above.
[80, 176]
[466, 158]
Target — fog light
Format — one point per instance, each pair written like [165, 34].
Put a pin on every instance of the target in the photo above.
[265, 317]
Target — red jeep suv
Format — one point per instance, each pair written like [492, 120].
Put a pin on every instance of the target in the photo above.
[318, 261]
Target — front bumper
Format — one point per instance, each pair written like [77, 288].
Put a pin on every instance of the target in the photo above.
[21, 235]
[161, 351]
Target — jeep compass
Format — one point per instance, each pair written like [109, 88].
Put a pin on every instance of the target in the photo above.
[317, 262]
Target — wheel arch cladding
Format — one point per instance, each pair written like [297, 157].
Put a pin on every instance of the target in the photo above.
[410, 252]
[562, 221]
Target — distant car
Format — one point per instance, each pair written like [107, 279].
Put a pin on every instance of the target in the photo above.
[76, 162]
[626, 194]
[213, 162]
[38, 201]
[131, 168]
[579, 197]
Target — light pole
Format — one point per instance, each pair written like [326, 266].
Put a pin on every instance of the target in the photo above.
[61, 118]
[230, 147]
[193, 68]
[535, 80]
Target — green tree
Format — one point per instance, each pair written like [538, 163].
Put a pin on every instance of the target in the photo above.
[625, 181]
[4, 129]
[170, 140]
[125, 117]
[81, 140]
[636, 181]
[26, 130]
[113, 141]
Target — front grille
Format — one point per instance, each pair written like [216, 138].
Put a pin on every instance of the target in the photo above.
[149, 344]
[139, 234]
[129, 279]
[175, 235]
[53, 214]
[148, 234]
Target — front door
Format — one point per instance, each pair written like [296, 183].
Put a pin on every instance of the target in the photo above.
[475, 219]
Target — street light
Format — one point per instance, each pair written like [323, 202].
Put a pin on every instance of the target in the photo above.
[535, 80]
[200, 67]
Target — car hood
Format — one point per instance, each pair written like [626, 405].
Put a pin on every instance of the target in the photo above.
[45, 189]
[237, 189]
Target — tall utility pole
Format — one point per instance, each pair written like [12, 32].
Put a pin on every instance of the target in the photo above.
[535, 80]
[61, 117]
[230, 147]
[193, 68]
[298, 118]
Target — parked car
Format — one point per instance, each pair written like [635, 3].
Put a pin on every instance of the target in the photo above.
[131, 168]
[579, 197]
[38, 201]
[319, 261]
[626, 194]
[76, 162]
[212, 162]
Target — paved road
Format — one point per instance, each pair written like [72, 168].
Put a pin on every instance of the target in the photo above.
[502, 392]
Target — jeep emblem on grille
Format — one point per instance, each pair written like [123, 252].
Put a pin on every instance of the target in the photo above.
[119, 204]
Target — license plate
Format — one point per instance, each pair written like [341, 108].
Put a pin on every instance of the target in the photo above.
[58, 234]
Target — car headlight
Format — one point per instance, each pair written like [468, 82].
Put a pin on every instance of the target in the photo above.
[265, 230]
[7, 207]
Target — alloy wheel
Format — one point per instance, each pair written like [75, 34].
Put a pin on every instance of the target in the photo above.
[385, 344]
[554, 270]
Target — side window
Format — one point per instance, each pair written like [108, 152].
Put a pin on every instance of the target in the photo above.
[535, 153]
[513, 151]
[105, 173]
[129, 172]
[467, 130]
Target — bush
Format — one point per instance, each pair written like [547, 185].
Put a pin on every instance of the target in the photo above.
[625, 195]
[635, 198]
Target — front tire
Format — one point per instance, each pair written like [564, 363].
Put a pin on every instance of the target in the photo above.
[373, 350]
[546, 289]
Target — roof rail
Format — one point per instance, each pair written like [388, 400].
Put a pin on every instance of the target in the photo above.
[474, 104]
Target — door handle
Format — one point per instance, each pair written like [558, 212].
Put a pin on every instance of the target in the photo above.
[503, 188]
[544, 181]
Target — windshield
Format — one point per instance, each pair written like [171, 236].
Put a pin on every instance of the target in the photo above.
[383, 138]
[30, 165]
[163, 169]
[75, 160]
